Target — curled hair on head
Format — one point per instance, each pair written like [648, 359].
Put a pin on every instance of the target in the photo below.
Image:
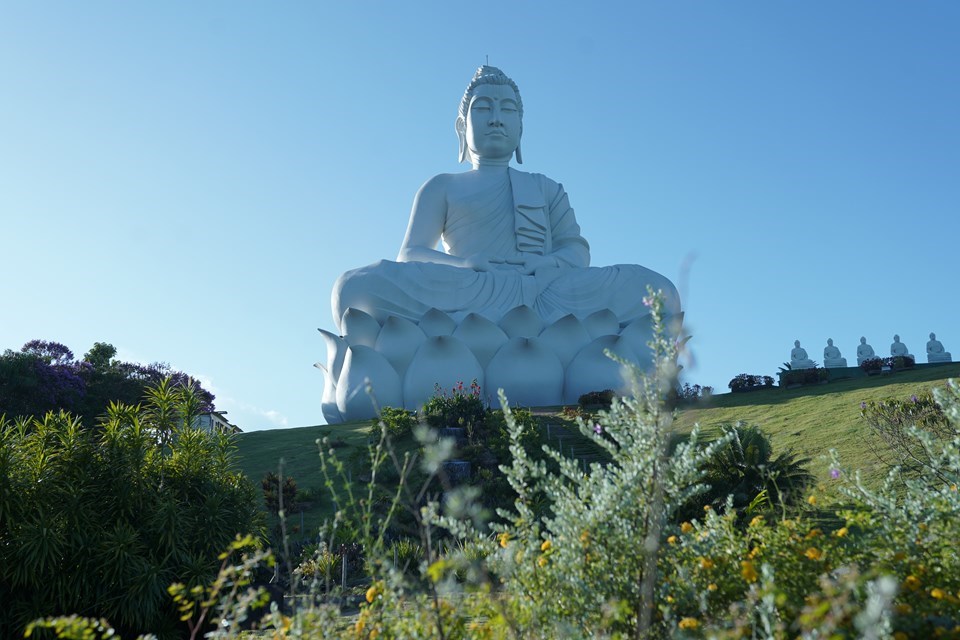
[488, 75]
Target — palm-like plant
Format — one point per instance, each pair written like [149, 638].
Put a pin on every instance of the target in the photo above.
[746, 469]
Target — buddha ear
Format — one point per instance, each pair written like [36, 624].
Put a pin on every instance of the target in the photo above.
[461, 127]
[517, 152]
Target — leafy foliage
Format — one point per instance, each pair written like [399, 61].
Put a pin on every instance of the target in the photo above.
[272, 489]
[746, 382]
[596, 399]
[810, 375]
[893, 421]
[44, 376]
[99, 522]
[461, 407]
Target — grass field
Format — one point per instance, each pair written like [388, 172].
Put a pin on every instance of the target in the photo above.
[809, 420]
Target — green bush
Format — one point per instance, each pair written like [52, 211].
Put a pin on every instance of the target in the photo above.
[99, 522]
[399, 423]
[462, 407]
[596, 399]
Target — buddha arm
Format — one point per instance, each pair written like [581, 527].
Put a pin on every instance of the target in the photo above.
[570, 249]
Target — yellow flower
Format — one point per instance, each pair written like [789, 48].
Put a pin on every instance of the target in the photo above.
[689, 623]
[686, 527]
[504, 538]
[672, 540]
[754, 553]
[585, 537]
[953, 487]
[706, 507]
[374, 633]
[372, 593]
[911, 583]
[712, 586]
[812, 501]
[748, 571]
[813, 553]
[813, 534]
[899, 635]
[903, 608]
[542, 561]
[937, 594]
[841, 532]
[546, 546]
[706, 563]
[757, 521]
[670, 599]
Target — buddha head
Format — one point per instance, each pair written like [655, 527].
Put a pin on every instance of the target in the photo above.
[896, 338]
[829, 342]
[933, 336]
[490, 119]
[863, 340]
[796, 344]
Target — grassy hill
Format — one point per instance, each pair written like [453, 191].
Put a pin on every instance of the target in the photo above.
[810, 420]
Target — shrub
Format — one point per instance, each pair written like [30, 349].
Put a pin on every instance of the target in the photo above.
[891, 421]
[872, 364]
[596, 399]
[100, 522]
[692, 393]
[271, 492]
[746, 382]
[460, 408]
[813, 375]
[399, 423]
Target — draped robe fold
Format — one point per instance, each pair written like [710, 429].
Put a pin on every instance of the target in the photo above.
[526, 213]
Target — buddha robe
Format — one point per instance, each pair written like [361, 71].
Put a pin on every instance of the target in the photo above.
[526, 213]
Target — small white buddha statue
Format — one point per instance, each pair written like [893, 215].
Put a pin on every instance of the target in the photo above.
[864, 351]
[832, 357]
[935, 352]
[799, 358]
[897, 348]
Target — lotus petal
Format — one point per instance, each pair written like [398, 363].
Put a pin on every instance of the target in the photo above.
[602, 323]
[528, 371]
[361, 364]
[565, 338]
[442, 360]
[481, 336]
[398, 341]
[359, 328]
[521, 322]
[437, 323]
[592, 370]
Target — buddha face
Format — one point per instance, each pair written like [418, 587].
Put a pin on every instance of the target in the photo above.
[493, 124]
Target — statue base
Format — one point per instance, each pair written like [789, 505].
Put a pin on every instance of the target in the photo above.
[400, 363]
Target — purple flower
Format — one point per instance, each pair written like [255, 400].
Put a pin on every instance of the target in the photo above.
[863, 405]
[834, 473]
[914, 398]
[647, 302]
[597, 429]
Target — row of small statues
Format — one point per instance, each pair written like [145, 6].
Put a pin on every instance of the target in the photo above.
[833, 359]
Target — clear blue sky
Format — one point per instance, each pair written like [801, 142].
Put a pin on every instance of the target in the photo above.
[187, 180]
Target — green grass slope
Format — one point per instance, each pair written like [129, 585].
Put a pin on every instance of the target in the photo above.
[809, 420]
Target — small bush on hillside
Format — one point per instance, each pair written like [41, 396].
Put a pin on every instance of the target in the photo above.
[597, 399]
[872, 364]
[461, 407]
[812, 375]
[399, 423]
[746, 381]
[271, 485]
[891, 420]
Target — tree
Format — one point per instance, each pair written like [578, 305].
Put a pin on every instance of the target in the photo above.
[44, 376]
[101, 522]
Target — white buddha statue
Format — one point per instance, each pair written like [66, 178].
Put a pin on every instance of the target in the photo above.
[897, 348]
[864, 351]
[799, 358]
[935, 352]
[831, 356]
[512, 264]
